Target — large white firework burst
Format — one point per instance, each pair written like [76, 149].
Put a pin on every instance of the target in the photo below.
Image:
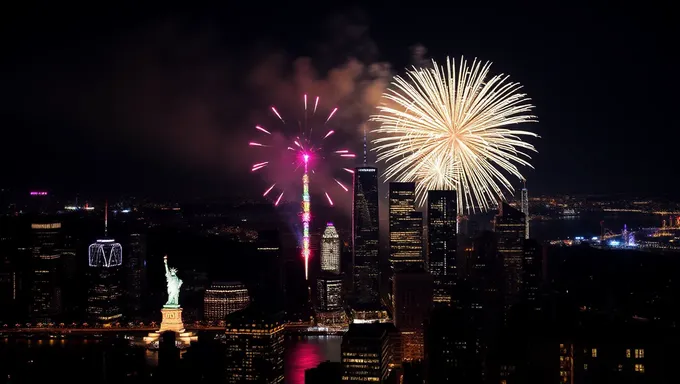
[449, 129]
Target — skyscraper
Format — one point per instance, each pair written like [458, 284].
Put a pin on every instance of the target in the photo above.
[329, 293]
[365, 236]
[412, 304]
[406, 228]
[254, 345]
[510, 228]
[365, 354]
[46, 299]
[222, 299]
[105, 290]
[330, 250]
[105, 258]
[442, 243]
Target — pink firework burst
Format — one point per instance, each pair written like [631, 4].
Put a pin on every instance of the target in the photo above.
[310, 141]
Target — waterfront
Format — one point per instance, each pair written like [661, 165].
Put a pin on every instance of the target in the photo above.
[33, 360]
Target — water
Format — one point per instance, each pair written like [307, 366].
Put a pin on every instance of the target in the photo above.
[303, 353]
[74, 359]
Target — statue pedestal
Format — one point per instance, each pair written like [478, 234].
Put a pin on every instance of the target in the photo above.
[172, 322]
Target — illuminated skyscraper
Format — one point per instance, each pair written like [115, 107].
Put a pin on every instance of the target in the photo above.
[525, 209]
[221, 299]
[510, 230]
[46, 296]
[329, 293]
[442, 243]
[406, 228]
[365, 354]
[365, 237]
[254, 348]
[105, 258]
[330, 250]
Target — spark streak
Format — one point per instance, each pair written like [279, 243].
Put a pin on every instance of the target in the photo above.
[268, 190]
[316, 103]
[348, 155]
[329, 133]
[305, 101]
[262, 129]
[342, 151]
[332, 113]
[276, 204]
[277, 115]
[329, 198]
[349, 170]
[254, 144]
[340, 184]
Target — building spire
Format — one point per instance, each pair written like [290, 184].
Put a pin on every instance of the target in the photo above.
[106, 218]
[365, 146]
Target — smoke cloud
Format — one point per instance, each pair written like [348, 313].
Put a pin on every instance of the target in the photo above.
[179, 97]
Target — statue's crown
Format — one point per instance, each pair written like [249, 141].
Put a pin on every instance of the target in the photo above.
[173, 270]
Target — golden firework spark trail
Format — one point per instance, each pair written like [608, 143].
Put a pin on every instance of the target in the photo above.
[449, 129]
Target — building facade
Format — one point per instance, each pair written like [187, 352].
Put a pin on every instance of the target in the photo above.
[442, 243]
[365, 354]
[330, 250]
[254, 348]
[406, 228]
[105, 289]
[222, 299]
[365, 236]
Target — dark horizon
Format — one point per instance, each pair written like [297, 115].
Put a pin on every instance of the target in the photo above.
[162, 101]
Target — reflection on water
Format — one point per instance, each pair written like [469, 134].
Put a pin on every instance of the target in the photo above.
[303, 353]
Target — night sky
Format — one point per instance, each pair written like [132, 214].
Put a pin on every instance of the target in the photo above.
[162, 100]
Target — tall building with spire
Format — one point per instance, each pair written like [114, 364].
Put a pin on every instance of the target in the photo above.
[105, 258]
[365, 237]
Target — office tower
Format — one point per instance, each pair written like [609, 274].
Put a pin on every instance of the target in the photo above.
[46, 298]
[442, 243]
[532, 279]
[105, 259]
[326, 372]
[525, 210]
[412, 304]
[365, 235]
[135, 270]
[329, 303]
[406, 227]
[105, 290]
[330, 250]
[510, 230]
[329, 292]
[221, 299]
[365, 354]
[270, 285]
[254, 345]
[451, 348]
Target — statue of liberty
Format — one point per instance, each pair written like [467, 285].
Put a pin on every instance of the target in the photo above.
[174, 283]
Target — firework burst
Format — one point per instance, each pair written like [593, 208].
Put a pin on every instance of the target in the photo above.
[307, 149]
[448, 128]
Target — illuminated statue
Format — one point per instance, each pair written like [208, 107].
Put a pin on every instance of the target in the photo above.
[174, 283]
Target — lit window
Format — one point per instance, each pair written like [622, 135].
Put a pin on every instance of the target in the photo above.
[585, 367]
[593, 352]
[639, 353]
[628, 353]
[640, 368]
